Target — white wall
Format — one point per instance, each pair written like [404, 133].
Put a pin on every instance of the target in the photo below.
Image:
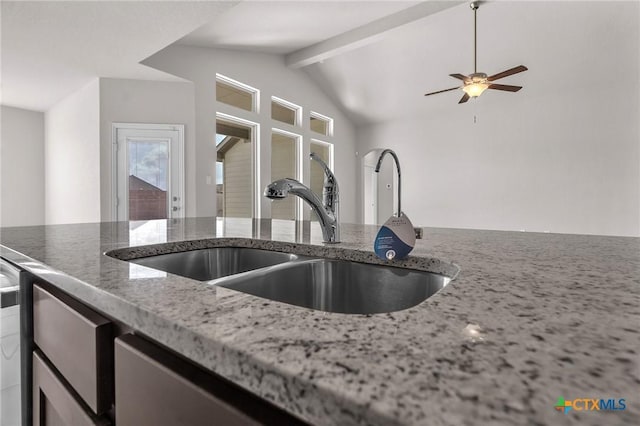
[269, 74]
[21, 167]
[72, 158]
[138, 101]
[563, 161]
[562, 154]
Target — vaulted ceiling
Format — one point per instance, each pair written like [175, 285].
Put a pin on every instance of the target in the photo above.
[374, 58]
[52, 48]
[282, 27]
[566, 46]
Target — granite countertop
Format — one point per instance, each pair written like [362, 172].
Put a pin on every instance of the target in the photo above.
[529, 318]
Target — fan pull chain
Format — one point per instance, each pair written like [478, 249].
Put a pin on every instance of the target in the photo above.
[475, 112]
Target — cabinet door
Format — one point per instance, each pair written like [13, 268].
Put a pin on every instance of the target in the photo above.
[157, 388]
[54, 403]
[78, 341]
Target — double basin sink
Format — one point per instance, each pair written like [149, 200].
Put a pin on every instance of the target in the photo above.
[317, 283]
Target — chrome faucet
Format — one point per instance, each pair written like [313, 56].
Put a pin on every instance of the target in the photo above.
[327, 209]
[395, 157]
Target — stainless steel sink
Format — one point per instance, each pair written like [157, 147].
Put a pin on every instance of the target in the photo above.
[209, 264]
[323, 284]
[340, 286]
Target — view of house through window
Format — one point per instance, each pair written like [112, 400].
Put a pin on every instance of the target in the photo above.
[234, 179]
[237, 159]
[236, 94]
[148, 167]
[284, 111]
[321, 124]
[283, 165]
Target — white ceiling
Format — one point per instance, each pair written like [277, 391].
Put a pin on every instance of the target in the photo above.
[281, 27]
[50, 49]
[566, 46]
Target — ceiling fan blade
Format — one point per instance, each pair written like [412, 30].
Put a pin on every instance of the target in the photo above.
[459, 76]
[505, 87]
[464, 99]
[503, 74]
[440, 91]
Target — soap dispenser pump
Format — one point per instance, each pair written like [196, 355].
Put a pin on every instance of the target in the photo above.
[396, 237]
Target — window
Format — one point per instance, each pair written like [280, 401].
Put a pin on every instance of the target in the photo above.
[236, 94]
[234, 186]
[238, 181]
[284, 164]
[148, 173]
[285, 112]
[321, 124]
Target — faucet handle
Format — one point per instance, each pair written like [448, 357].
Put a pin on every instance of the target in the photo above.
[419, 233]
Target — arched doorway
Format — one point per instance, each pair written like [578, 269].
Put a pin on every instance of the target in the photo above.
[379, 189]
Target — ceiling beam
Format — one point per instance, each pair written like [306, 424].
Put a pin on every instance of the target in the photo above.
[364, 34]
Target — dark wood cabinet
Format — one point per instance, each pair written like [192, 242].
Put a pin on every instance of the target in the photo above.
[55, 402]
[156, 387]
[75, 382]
[78, 341]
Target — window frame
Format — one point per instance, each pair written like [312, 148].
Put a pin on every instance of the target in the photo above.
[254, 92]
[331, 150]
[328, 120]
[255, 157]
[297, 109]
[299, 164]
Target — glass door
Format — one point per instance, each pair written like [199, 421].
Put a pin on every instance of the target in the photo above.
[149, 172]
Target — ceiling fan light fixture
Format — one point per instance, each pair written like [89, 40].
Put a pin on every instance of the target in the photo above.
[475, 84]
[475, 89]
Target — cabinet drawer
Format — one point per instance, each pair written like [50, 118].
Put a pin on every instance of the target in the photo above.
[78, 342]
[54, 403]
[157, 388]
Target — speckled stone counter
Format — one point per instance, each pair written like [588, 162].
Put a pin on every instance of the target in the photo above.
[529, 318]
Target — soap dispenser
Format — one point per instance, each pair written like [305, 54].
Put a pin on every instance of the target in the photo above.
[396, 237]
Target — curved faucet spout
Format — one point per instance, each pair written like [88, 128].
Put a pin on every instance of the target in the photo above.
[328, 174]
[395, 157]
[327, 217]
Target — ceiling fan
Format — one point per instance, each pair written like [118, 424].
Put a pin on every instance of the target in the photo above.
[478, 82]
